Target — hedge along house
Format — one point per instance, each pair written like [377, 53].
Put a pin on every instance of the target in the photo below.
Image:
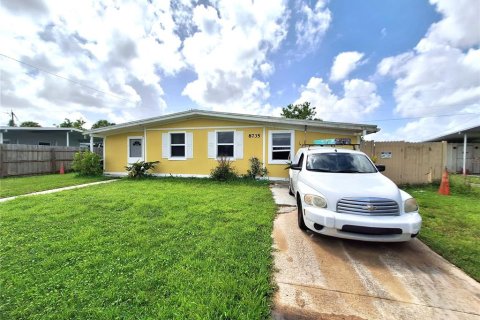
[190, 143]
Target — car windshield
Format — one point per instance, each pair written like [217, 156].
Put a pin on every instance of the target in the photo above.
[339, 162]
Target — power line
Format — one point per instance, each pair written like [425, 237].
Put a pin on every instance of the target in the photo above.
[67, 79]
[414, 118]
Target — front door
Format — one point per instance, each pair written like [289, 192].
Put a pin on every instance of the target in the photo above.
[135, 149]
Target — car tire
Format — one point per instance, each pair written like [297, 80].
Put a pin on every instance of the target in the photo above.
[301, 222]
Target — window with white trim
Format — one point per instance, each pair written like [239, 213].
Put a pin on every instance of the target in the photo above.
[280, 146]
[225, 144]
[177, 145]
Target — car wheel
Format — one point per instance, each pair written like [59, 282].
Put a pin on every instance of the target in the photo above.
[301, 222]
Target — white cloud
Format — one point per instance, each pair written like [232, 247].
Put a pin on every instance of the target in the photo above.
[440, 75]
[359, 98]
[119, 48]
[459, 26]
[312, 24]
[229, 52]
[344, 63]
[267, 69]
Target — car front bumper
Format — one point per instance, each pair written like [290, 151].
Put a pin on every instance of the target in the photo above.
[360, 227]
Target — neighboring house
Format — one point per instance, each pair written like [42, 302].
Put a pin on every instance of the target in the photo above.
[44, 136]
[189, 143]
[457, 160]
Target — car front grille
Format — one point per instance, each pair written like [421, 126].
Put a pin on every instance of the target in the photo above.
[368, 206]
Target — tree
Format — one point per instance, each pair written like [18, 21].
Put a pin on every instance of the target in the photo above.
[30, 124]
[299, 111]
[78, 124]
[102, 123]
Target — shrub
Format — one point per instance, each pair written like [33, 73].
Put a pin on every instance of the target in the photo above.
[256, 169]
[140, 169]
[86, 163]
[224, 171]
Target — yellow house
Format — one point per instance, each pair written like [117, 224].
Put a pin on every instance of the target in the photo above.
[189, 143]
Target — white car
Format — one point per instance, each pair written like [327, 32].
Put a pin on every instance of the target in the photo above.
[342, 193]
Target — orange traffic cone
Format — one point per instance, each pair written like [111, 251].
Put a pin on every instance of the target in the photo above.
[62, 169]
[444, 185]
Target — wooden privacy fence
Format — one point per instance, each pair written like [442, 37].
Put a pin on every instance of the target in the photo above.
[407, 162]
[19, 159]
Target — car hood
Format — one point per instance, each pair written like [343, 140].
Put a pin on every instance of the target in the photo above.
[335, 186]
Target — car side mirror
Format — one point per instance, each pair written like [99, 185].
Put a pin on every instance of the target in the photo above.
[380, 167]
[296, 168]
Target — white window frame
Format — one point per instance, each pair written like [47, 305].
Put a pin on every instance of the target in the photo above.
[270, 146]
[135, 159]
[224, 144]
[178, 145]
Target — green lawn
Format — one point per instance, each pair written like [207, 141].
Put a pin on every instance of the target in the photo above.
[451, 224]
[15, 186]
[151, 249]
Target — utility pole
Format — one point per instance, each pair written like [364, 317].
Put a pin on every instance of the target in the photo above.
[13, 116]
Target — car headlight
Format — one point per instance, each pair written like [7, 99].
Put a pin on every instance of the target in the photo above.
[410, 205]
[316, 201]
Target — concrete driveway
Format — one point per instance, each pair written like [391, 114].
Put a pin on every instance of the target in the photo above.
[320, 277]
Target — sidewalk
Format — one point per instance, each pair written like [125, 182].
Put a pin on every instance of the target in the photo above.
[57, 190]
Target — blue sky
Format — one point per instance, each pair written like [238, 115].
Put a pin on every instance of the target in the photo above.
[356, 61]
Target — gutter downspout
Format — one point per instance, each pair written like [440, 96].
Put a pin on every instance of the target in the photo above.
[264, 147]
[145, 144]
[91, 143]
[103, 151]
[464, 153]
[304, 135]
[361, 142]
[68, 138]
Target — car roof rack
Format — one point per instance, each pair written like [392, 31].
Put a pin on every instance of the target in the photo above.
[355, 146]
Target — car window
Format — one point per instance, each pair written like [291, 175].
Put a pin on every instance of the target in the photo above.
[340, 163]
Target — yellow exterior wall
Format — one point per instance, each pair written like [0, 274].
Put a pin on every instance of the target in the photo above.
[200, 163]
[116, 147]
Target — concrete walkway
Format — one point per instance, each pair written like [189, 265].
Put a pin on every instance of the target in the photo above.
[58, 190]
[285, 202]
[321, 277]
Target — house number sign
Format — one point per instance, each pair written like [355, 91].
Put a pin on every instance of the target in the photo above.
[254, 135]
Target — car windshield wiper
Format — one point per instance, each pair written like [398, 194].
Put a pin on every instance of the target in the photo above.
[320, 170]
[347, 171]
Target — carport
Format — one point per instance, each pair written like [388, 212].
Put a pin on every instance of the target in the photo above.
[463, 151]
